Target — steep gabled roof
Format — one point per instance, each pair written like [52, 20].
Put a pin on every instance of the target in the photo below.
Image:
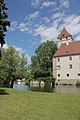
[72, 49]
[64, 34]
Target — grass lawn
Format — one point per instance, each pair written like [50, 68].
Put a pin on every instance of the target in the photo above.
[26, 105]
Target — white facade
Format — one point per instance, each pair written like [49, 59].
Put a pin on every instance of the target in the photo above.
[66, 61]
[66, 69]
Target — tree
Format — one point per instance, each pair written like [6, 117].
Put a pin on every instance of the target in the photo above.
[11, 63]
[22, 67]
[35, 66]
[4, 22]
[42, 61]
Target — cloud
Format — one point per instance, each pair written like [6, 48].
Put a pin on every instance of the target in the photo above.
[47, 4]
[78, 37]
[35, 3]
[46, 19]
[46, 33]
[14, 26]
[50, 32]
[23, 27]
[64, 3]
[34, 15]
[58, 15]
[72, 23]
[49, 26]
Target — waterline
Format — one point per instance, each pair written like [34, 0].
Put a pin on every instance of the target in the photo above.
[56, 89]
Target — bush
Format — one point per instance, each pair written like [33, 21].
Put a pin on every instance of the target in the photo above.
[47, 80]
[78, 83]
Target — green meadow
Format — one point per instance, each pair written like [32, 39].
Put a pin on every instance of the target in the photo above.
[27, 105]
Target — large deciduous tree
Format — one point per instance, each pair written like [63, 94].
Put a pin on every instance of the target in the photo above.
[42, 61]
[4, 22]
[12, 66]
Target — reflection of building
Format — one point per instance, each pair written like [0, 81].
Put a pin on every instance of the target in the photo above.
[66, 61]
[19, 81]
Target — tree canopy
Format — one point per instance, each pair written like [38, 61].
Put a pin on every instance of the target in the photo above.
[12, 66]
[4, 22]
[42, 61]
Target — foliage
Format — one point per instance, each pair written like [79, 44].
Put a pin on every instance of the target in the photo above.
[12, 66]
[22, 67]
[4, 22]
[47, 80]
[42, 61]
[78, 83]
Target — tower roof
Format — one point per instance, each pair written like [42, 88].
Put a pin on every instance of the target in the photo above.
[64, 34]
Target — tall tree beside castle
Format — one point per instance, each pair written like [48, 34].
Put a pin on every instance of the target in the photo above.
[4, 22]
[42, 61]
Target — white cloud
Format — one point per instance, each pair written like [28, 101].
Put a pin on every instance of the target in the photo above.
[58, 15]
[64, 3]
[23, 27]
[35, 3]
[46, 33]
[47, 4]
[51, 32]
[56, 22]
[14, 26]
[46, 19]
[34, 15]
[72, 23]
[78, 37]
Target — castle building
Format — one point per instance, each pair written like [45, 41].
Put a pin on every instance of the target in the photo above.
[66, 61]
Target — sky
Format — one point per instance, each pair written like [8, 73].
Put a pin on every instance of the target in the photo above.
[35, 21]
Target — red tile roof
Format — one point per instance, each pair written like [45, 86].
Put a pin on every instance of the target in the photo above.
[64, 34]
[72, 49]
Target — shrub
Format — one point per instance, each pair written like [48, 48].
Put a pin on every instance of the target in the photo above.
[47, 80]
[78, 83]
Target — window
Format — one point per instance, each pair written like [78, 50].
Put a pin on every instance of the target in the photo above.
[70, 66]
[78, 74]
[58, 59]
[70, 58]
[67, 75]
[58, 75]
[58, 67]
[79, 65]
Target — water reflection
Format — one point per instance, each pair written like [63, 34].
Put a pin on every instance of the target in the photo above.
[41, 88]
[20, 86]
[56, 89]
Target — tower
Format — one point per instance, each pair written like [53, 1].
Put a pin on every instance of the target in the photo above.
[64, 37]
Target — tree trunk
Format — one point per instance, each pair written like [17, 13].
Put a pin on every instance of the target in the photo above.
[52, 84]
[12, 83]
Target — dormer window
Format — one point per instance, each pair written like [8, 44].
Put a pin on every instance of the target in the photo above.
[66, 51]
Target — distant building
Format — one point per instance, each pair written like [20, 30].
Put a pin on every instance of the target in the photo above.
[66, 61]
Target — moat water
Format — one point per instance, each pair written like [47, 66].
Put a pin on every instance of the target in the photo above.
[56, 89]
